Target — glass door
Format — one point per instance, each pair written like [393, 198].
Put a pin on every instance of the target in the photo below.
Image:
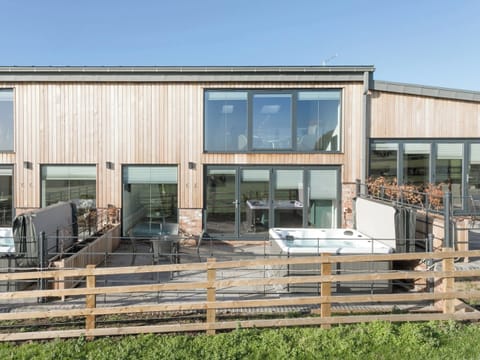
[288, 198]
[6, 197]
[322, 198]
[246, 201]
[221, 201]
[254, 201]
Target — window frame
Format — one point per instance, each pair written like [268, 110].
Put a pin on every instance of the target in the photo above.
[432, 176]
[12, 149]
[43, 167]
[293, 148]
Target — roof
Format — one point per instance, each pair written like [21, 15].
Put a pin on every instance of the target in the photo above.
[182, 73]
[428, 91]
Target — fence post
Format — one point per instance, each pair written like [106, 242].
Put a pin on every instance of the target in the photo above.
[325, 290]
[447, 237]
[211, 294]
[42, 252]
[448, 282]
[90, 303]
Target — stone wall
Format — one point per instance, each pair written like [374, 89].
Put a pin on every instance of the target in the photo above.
[348, 194]
[190, 221]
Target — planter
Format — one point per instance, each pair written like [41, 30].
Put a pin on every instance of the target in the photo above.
[92, 254]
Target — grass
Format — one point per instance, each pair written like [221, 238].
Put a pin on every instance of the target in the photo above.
[377, 340]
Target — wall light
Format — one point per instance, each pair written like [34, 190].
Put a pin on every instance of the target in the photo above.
[191, 165]
[110, 165]
[27, 165]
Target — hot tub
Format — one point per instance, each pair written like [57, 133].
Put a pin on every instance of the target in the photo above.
[286, 242]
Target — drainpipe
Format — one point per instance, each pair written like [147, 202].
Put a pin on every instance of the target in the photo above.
[365, 130]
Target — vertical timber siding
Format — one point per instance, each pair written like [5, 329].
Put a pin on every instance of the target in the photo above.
[408, 116]
[143, 123]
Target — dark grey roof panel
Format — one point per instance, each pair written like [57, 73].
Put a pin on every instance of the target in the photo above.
[181, 74]
[428, 91]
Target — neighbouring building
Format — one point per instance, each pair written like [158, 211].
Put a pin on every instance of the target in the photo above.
[234, 150]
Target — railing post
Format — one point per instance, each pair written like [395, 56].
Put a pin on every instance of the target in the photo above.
[42, 252]
[429, 262]
[358, 188]
[325, 290]
[448, 282]
[211, 294]
[91, 303]
[447, 238]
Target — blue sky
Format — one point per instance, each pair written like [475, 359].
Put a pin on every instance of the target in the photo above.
[421, 42]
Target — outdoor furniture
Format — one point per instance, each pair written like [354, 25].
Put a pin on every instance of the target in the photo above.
[167, 247]
[257, 211]
[475, 208]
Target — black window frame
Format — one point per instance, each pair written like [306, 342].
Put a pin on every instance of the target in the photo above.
[294, 148]
[12, 148]
[433, 142]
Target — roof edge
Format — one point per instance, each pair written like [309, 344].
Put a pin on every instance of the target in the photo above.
[183, 69]
[183, 73]
[428, 91]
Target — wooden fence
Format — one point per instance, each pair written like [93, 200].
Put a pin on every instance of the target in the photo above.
[447, 294]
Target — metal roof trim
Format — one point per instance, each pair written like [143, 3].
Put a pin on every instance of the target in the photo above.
[182, 73]
[427, 91]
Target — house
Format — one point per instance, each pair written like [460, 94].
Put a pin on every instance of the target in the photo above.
[233, 149]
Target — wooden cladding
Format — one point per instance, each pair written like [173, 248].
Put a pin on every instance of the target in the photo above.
[409, 116]
[143, 123]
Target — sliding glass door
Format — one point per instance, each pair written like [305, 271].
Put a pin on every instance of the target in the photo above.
[149, 200]
[288, 197]
[254, 201]
[245, 202]
[6, 196]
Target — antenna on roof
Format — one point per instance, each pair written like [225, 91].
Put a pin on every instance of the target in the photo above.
[327, 60]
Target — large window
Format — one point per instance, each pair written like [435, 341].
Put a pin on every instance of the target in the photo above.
[226, 120]
[416, 164]
[271, 121]
[149, 200]
[383, 160]
[6, 120]
[318, 120]
[448, 169]
[69, 182]
[449, 165]
[6, 197]
[474, 172]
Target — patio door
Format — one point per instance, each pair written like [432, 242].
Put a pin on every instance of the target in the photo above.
[254, 202]
[246, 201]
[288, 198]
[221, 198]
[237, 202]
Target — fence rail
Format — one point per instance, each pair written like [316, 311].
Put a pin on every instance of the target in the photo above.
[210, 303]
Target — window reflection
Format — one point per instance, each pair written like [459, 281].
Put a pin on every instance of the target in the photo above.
[256, 120]
[6, 196]
[6, 119]
[64, 183]
[318, 120]
[149, 200]
[448, 170]
[416, 164]
[226, 121]
[474, 171]
[272, 121]
[383, 161]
